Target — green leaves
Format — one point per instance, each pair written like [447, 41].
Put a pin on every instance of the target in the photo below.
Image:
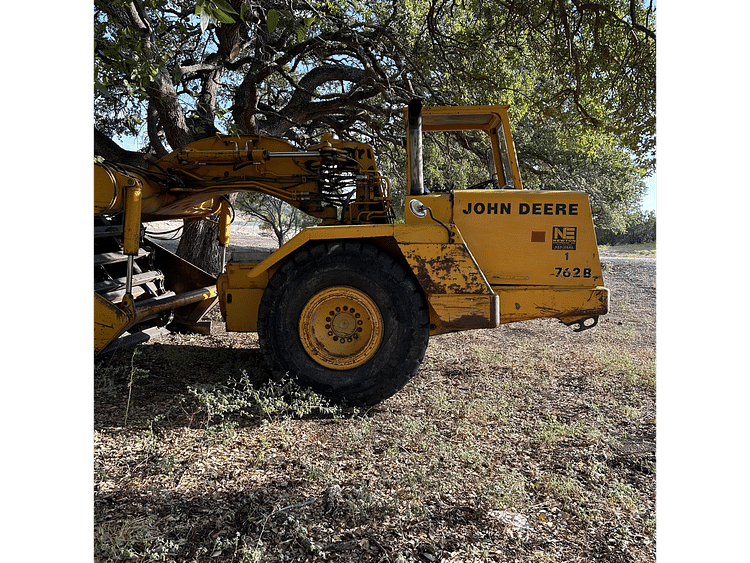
[214, 11]
[289, 21]
[272, 20]
[580, 78]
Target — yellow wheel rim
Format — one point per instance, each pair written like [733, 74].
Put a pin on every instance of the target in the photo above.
[341, 328]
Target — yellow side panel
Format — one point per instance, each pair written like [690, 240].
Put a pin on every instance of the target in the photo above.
[523, 237]
[242, 309]
[240, 296]
[458, 294]
[400, 233]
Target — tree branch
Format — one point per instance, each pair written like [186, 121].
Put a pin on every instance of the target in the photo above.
[109, 150]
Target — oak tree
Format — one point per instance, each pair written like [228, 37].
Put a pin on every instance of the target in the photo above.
[580, 77]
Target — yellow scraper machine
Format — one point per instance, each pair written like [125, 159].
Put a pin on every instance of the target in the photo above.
[346, 307]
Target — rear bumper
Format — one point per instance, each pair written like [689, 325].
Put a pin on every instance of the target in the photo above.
[522, 303]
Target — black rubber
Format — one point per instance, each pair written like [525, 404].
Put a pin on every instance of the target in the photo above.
[353, 264]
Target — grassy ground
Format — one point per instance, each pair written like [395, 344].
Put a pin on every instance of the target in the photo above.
[526, 443]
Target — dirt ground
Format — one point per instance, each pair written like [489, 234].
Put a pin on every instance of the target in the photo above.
[245, 235]
[526, 443]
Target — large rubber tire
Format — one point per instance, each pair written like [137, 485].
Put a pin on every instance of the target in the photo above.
[346, 320]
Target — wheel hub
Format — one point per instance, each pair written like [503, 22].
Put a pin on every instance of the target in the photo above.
[341, 328]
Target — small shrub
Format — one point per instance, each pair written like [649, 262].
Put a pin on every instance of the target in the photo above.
[273, 399]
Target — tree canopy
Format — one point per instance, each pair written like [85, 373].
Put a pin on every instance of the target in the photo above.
[580, 77]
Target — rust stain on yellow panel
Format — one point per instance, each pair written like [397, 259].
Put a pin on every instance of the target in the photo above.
[464, 312]
[520, 304]
[445, 268]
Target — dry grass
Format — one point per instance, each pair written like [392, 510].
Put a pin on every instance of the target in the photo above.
[526, 443]
[644, 250]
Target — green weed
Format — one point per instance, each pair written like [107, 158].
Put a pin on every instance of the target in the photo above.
[624, 495]
[553, 431]
[221, 432]
[271, 400]
[632, 371]
[436, 400]
[138, 538]
[508, 489]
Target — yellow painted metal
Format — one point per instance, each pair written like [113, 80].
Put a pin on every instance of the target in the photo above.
[157, 200]
[341, 328]
[450, 312]
[457, 293]
[222, 164]
[511, 148]
[240, 308]
[110, 321]
[153, 306]
[481, 257]
[240, 294]
[537, 250]
[538, 238]
[445, 268]
[107, 190]
[376, 234]
[567, 304]
[225, 222]
[132, 220]
[241, 285]
[530, 279]
[211, 168]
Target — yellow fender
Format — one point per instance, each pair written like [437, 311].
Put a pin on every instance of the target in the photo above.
[457, 292]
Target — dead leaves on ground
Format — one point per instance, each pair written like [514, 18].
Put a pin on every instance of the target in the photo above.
[525, 443]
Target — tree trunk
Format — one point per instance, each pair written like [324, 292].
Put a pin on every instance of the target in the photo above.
[199, 244]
